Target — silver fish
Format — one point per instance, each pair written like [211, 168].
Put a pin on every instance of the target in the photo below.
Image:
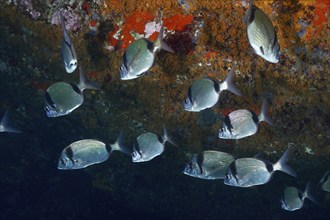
[68, 52]
[325, 182]
[204, 93]
[83, 153]
[261, 34]
[243, 123]
[5, 126]
[62, 98]
[293, 198]
[208, 165]
[246, 172]
[139, 56]
[149, 145]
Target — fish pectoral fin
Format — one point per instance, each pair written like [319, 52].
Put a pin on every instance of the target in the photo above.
[262, 50]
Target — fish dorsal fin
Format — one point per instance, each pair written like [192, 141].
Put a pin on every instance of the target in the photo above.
[259, 156]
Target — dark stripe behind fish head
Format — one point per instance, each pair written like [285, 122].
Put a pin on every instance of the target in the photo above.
[49, 100]
[69, 153]
[200, 160]
[228, 123]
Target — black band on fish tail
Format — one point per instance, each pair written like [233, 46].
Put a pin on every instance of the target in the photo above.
[49, 100]
[160, 139]
[228, 123]
[300, 195]
[189, 95]
[200, 160]
[150, 45]
[254, 117]
[216, 85]
[75, 88]
[233, 170]
[269, 167]
[108, 148]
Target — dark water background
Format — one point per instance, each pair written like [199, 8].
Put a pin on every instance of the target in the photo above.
[31, 187]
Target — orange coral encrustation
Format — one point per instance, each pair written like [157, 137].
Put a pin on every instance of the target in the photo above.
[320, 18]
[136, 22]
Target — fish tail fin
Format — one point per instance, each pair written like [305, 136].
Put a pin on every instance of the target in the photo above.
[282, 166]
[308, 193]
[85, 83]
[168, 138]
[159, 43]
[248, 13]
[119, 145]
[228, 83]
[264, 116]
[5, 125]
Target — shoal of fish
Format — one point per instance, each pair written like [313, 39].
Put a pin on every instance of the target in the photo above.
[62, 98]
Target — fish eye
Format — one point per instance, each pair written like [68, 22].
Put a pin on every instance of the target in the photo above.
[73, 64]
